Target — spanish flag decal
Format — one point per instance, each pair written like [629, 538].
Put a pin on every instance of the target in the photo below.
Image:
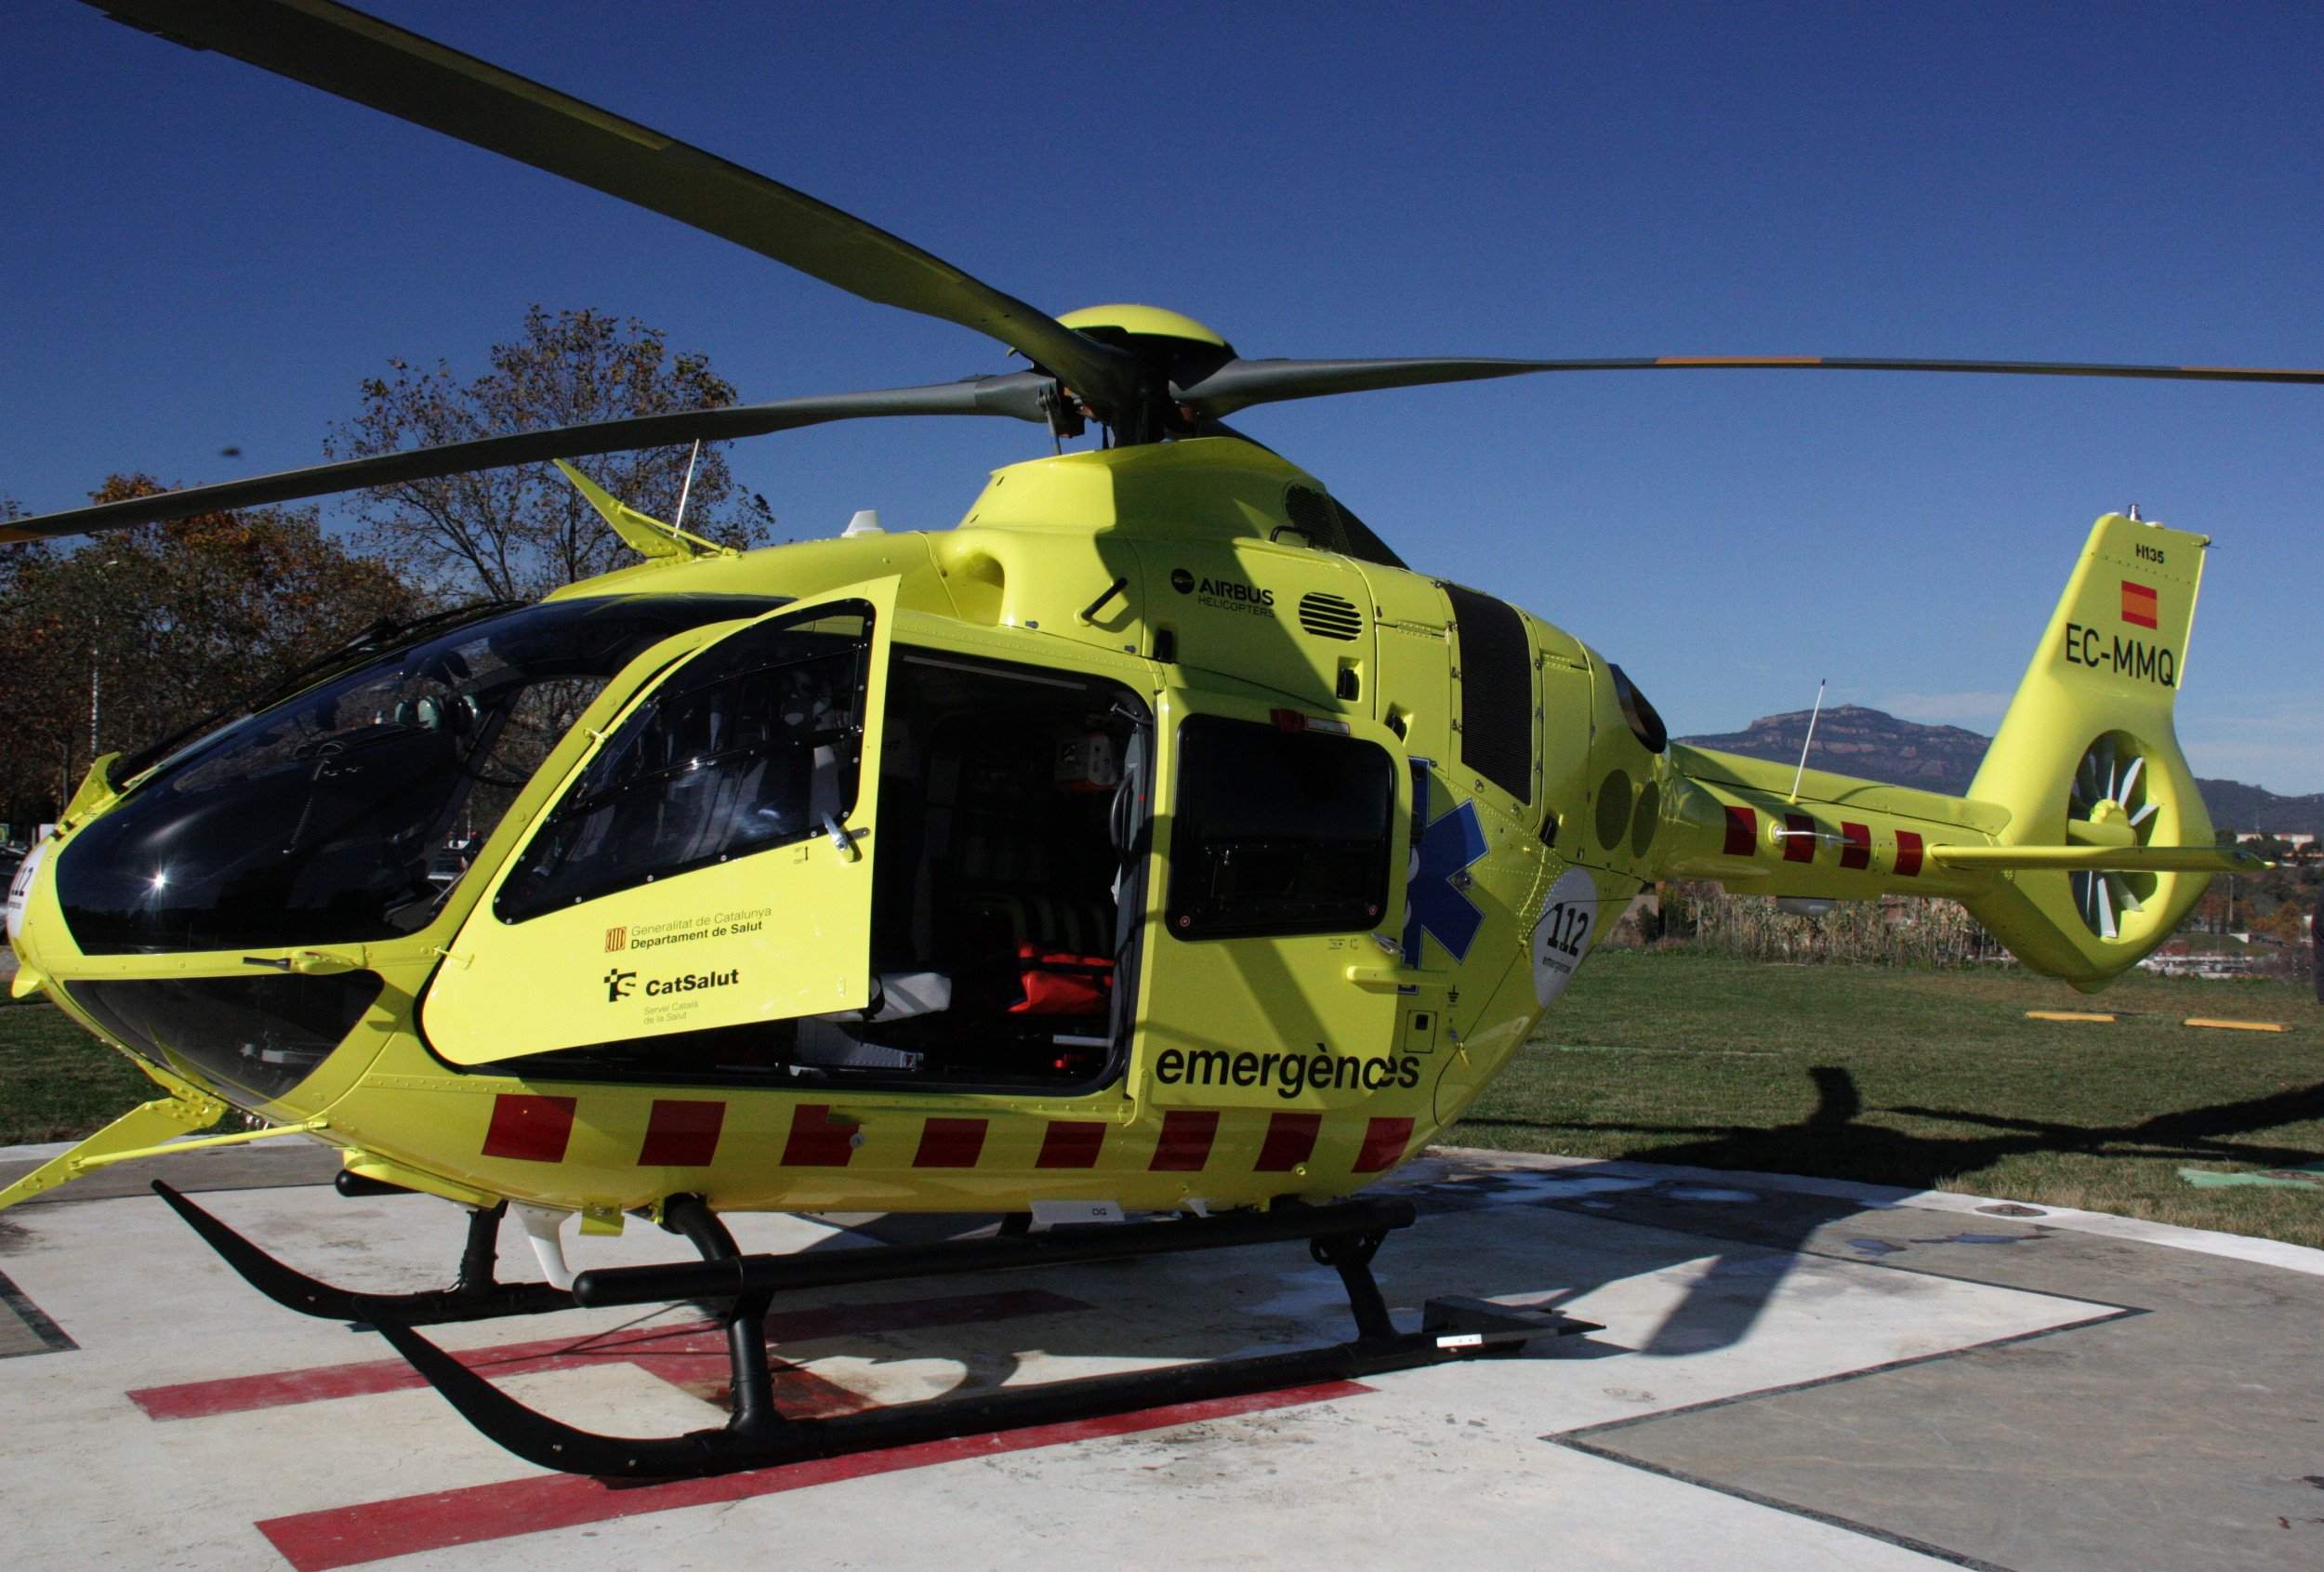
[2138, 604]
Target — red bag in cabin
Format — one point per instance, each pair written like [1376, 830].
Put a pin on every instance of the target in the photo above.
[1061, 985]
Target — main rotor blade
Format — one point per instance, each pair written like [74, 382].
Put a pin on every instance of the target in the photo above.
[1241, 383]
[373, 63]
[1023, 395]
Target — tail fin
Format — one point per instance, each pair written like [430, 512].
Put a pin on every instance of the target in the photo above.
[2087, 756]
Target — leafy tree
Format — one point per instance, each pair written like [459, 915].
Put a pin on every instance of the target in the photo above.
[2210, 913]
[520, 532]
[141, 632]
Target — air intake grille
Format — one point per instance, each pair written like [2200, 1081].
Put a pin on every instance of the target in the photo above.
[1329, 616]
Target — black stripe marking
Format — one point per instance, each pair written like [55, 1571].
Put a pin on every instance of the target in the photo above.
[34, 1320]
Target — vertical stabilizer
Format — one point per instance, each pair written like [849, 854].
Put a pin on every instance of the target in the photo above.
[2088, 756]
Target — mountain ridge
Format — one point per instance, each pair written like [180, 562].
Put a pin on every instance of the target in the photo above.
[1855, 739]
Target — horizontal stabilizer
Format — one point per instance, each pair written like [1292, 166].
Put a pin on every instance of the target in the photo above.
[2105, 859]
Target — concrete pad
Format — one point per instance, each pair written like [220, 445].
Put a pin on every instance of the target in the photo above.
[1786, 1378]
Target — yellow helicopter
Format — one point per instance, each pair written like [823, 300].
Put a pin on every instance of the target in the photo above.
[1154, 843]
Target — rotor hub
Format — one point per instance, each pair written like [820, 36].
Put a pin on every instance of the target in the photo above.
[1172, 350]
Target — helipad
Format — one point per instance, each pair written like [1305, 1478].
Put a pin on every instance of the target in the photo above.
[1790, 1375]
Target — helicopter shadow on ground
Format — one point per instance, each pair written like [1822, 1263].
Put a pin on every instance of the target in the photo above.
[1202, 1305]
[1735, 1289]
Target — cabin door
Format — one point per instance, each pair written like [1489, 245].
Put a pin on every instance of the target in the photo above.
[1271, 974]
[709, 861]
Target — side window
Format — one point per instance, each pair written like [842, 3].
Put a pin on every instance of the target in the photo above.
[1496, 665]
[1278, 832]
[752, 745]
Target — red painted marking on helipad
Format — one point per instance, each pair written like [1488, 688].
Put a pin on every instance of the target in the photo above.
[316, 1541]
[691, 1354]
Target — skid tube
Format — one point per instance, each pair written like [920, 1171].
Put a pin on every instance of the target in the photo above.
[1344, 1236]
[476, 1296]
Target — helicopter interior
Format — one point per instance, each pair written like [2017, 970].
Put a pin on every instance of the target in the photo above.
[1006, 859]
[1005, 896]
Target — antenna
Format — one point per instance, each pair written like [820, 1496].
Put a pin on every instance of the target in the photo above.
[686, 490]
[1810, 740]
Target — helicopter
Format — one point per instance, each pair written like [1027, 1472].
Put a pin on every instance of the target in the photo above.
[1153, 859]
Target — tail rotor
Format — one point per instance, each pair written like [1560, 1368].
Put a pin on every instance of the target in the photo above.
[2114, 801]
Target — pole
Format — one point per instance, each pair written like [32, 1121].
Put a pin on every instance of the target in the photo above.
[1808, 742]
[95, 628]
[95, 638]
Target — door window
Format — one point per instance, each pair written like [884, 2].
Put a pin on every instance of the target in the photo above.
[1278, 832]
[756, 744]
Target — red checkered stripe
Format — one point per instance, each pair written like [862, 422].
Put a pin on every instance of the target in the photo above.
[1801, 835]
[684, 1132]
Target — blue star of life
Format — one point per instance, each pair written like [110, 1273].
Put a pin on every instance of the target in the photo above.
[1434, 903]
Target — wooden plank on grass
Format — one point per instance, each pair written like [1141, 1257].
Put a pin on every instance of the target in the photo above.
[2064, 1015]
[2235, 1026]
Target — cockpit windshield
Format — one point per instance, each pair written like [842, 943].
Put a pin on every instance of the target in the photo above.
[348, 813]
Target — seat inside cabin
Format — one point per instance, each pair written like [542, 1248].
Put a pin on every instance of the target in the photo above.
[1009, 817]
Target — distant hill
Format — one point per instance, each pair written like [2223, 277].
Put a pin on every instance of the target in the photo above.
[1855, 740]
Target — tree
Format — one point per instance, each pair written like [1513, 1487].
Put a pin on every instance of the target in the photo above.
[520, 532]
[137, 634]
[2210, 912]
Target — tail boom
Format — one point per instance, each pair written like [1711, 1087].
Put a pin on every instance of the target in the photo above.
[2081, 843]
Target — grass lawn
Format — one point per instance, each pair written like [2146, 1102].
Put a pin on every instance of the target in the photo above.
[1928, 1078]
[1895, 1076]
[58, 1082]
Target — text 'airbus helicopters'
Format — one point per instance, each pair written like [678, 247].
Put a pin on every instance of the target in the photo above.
[1155, 841]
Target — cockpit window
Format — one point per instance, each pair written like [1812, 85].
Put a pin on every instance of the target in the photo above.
[755, 744]
[330, 817]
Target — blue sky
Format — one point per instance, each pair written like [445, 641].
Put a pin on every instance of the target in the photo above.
[201, 255]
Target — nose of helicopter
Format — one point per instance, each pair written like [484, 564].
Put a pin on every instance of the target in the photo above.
[221, 917]
[253, 1036]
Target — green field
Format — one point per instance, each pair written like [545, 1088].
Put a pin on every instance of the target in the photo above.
[56, 1080]
[1931, 1079]
[1886, 1074]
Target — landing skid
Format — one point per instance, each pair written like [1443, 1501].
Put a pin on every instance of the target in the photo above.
[476, 1296]
[1344, 1236]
